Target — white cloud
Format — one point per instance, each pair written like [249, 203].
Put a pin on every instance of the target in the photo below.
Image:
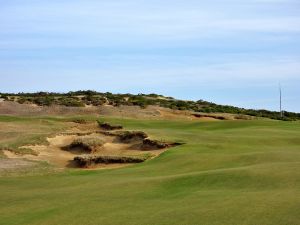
[81, 23]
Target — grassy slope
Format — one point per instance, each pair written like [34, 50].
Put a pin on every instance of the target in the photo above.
[229, 172]
[16, 132]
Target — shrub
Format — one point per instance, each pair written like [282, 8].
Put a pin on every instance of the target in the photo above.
[80, 121]
[4, 96]
[89, 144]
[88, 160]
[71, 101]
[43, 101]
[107, 126]
[94, 100]
[21, 100]
[128, 136]
[150, 144]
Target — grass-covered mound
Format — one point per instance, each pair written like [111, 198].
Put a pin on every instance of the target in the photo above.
[89, 144]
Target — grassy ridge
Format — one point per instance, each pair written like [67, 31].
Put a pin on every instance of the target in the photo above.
[82, 98]
[229, 172]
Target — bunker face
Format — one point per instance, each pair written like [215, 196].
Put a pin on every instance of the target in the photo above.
[88, 144]
[92, 160]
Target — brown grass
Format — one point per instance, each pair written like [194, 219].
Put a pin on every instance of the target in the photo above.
[88, 160]
[107, 126]
[90, 144]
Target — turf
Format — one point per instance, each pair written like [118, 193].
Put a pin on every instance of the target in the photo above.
[227, 173]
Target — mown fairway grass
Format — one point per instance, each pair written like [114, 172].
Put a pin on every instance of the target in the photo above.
[227, 173]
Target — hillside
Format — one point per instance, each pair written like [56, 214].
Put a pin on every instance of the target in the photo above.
[93, 98]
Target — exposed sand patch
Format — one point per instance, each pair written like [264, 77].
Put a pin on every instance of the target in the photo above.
[174, 114]
[57, 152]
[185, 114]
[52, 153]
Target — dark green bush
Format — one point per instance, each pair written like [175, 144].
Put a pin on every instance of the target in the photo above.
[70, 101]
[43, 101]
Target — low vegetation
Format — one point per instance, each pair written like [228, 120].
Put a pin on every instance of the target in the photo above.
[107, 126]
[150, 144]
[90, 160]
[213, 116]
[88, 144]
[127, 136]
[93, 98]
[79, 121]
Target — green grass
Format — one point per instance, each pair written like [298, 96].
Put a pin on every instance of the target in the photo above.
[227, 173]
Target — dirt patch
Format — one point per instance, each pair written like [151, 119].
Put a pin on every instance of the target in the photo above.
[208, 117]
[220, 116]
[171, 114]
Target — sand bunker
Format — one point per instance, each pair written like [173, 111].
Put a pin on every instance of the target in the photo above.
[52, 153]
[99, 149]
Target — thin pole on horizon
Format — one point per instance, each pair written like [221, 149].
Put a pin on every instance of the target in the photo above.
[280, 100]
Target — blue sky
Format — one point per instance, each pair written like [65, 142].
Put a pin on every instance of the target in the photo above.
[227, 51]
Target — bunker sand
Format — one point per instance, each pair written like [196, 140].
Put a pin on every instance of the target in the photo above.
[57, 153]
